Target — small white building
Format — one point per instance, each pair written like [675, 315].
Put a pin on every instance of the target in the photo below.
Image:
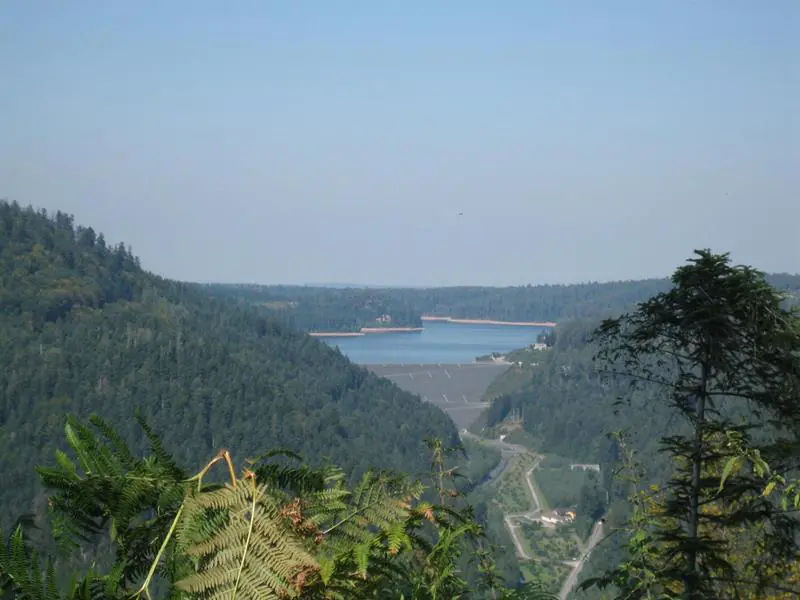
[559, 516]
[585, 467]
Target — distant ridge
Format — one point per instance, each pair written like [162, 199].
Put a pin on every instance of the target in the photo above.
[338, 286]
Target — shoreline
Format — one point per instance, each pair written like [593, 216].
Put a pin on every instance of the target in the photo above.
[489, 322]
[335, 333]
[369, 330]
[456, 321]
[366, 331]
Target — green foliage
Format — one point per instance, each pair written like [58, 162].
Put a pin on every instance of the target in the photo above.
[249, 552]
[568, 408]
[721, 351]
[23, 577]
[278, 529]
[20, 571]
[311, 308]
[549, 544]
[483, 460]
[84, 330]
[562, 485]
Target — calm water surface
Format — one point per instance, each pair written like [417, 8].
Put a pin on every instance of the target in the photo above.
[439, 343]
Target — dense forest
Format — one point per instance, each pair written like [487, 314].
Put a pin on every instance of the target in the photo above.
[84, 329]
[349, 309]
[570, 409]
[546, 302]
[564, 403]
[311, 308]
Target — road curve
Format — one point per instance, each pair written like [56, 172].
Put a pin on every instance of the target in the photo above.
[512, 529]
[510, 519]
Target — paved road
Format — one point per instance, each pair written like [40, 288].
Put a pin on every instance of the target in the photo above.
[512, 520]
[512, 529]
[577, 567]
[505, 447]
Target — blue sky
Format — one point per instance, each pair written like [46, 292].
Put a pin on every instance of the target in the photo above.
[338, 141]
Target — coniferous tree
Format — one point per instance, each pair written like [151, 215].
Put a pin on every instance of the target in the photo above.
[724, 351]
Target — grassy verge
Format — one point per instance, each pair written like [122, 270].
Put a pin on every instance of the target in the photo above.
[551, 577]
[513, 494]
[550, 545]
[543, 498]
[509, 382]
[562, 485]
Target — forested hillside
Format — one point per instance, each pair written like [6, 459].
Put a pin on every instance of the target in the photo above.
[569, 409]
[547, 302]
[311, 308]
[330, 309]
[84, 329]
[564, 404]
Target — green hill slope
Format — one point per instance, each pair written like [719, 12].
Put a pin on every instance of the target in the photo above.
[566, 406]
[84, 329]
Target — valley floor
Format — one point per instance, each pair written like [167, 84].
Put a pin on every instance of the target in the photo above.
[557, 550]
[542, 549]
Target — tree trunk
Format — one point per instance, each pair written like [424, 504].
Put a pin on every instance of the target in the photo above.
[690, 580]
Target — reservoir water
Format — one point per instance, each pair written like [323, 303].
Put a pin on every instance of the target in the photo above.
[445, 343]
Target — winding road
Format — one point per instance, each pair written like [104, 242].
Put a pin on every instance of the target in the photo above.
[512, 519]
[508, 451]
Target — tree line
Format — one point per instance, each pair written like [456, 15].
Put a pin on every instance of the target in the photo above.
[349, 309]
[324, 309]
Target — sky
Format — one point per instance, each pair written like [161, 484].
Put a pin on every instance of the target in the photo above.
[303, 142]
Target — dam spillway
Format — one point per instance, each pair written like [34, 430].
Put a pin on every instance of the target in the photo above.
[455, 388]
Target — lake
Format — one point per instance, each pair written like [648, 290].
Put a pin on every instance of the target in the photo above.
[445, 343]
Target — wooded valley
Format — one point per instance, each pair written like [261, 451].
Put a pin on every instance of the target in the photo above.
[685, 392]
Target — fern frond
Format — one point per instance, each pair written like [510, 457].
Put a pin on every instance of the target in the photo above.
[323, 506]
[378, 501]
[21, 574]
[108, 488]
[362, 533]
[121, 451]
[250, 552]
[298, 479]
[163, 458]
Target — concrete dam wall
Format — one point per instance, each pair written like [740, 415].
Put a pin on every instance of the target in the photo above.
[457, 389]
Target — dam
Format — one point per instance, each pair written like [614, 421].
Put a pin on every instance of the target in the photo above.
[455, 388]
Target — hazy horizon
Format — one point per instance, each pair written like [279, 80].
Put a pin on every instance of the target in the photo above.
[294, 142]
